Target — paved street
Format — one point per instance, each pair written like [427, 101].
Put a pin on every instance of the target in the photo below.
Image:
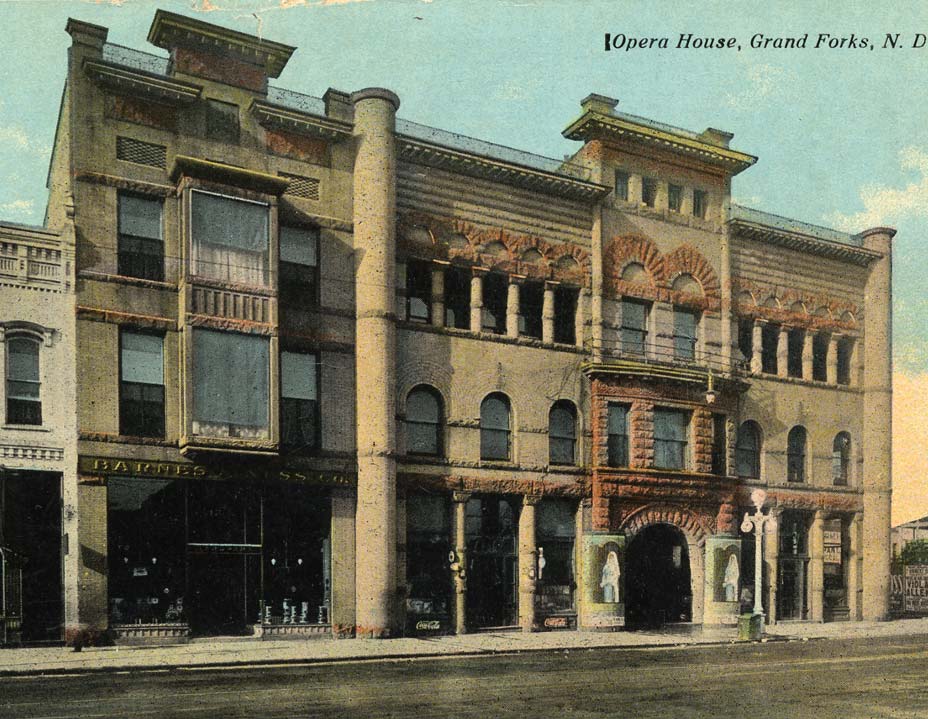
[819, 679]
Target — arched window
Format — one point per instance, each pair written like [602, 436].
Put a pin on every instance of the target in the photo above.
[562, 432]
[747, 450]
[423, 421]
[494, 427]
[841, 459]
[796, 455]
[23, 401]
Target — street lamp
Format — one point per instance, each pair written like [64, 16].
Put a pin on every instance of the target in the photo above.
[757, 521]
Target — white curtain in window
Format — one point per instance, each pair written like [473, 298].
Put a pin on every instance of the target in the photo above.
[230, 374]
[230, 239]
[142, 358]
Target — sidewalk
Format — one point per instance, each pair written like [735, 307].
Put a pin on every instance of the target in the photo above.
[239, 652]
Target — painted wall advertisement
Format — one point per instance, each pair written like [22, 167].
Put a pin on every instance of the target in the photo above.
[915, 588]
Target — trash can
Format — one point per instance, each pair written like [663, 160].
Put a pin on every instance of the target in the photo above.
[750, 627]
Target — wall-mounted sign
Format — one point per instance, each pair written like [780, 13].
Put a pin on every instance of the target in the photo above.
[428, 625]
[114, 466]
[557, 622]
[916, 588]
[832, 554]
[832, 537]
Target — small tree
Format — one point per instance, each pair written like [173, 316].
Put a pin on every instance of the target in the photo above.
[915, 552]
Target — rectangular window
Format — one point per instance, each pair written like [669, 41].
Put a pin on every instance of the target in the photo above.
[700, 203]
[769, 339]
[617, 432]
[222, 124]
[140, 244]
[299, 401]
[299, 267]
[457, 298]
[746, 339]
[556, 528]
[621, 185]
[224, 360]
[495, 297]
[674, 198]
[635, 327]
[531, 301]
[565, 315]
[23, 384]
[141, 384]
[820, 357]
[795, 339]
[671, 427]
[845, 352]
[419, 291]
[719, 444]
[229, 239]
[685, 324]
[648, 191]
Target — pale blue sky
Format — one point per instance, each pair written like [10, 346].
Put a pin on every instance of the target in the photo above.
[827, 125]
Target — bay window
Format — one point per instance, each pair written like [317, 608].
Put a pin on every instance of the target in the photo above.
[230, 377]
[229, 239]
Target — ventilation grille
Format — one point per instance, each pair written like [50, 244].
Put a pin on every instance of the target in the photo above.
[141, 153]
[305, 187]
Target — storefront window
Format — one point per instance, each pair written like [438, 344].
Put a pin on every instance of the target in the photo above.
[146, 550]
[297, 557]
[554, 534]
[428, 573]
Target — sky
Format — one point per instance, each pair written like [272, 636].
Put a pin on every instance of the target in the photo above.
[840, 132]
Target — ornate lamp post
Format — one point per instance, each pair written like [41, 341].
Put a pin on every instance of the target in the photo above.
[756, 522]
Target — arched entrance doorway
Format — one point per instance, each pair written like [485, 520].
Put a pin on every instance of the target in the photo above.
[657, 578]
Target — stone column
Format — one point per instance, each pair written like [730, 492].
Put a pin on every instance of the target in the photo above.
[831, 360]
[757, 344]
[853, 567]
[547, 313]
[697, 579]
[596, 295]
[527, 548]
[877, 426]
[772, 561]
[476, 299]
[512, 307]
[459, 577]
[375, 349]
[783, 352]
[807, 355]
[817, 568]
[438, 294]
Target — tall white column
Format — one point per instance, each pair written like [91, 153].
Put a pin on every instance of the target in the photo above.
[375, 252]
[807, 354]
[527, 579]
[831, 360]
[817, 568]
[547, 314]
[458, 574]
[853, 568]
[476, 300]
[757, 345]
[512, 307]
[438, 295]
[783, 352]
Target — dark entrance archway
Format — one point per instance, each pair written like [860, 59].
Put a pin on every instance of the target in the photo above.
[657, 578]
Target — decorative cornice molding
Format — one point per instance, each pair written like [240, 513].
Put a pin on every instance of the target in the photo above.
[804, 243]
[124, 183]
[282, 118]
[121, 79]
[228, 174]
[34, 454]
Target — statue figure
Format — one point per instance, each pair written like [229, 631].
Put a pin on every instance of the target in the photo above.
[730, 582]
[609, 581]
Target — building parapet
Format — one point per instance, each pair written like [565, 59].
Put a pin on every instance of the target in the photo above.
[32, 256]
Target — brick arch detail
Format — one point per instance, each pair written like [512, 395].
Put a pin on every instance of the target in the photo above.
[625, 250]
[695, 527]
[423, 371]
[687, 260]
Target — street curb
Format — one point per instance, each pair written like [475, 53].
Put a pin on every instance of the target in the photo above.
[419, 656]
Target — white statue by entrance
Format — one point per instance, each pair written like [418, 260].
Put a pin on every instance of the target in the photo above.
[609, 581]
[730, 582]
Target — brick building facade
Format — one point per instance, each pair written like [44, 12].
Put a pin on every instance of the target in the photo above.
[339, 372]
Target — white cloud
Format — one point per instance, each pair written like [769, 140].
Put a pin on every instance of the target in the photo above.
[17, 208]
[14, 139]
[884, 205]
[763, 83]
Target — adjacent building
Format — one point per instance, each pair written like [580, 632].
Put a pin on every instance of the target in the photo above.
[341, 373]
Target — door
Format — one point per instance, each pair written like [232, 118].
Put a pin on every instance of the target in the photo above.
[491, 526]
[223, 590]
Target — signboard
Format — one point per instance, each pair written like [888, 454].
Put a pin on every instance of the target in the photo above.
[916, 588]
[832, 554]
[832, 537]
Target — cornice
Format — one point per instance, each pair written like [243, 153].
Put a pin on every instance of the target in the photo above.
[661, 372]
[281, 118]
[228, 174]
[169, 30]
[433, 155]
[804, 243]
[121, 79]
[594, 125]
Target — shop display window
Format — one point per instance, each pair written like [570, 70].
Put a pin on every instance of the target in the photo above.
[555, 528]
[428, 573]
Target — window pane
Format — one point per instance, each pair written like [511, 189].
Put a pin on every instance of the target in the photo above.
[421, 437]
[230, 373]
[22, 390]
[684, 330]
[230, 239]
[531, 299]
[23, 359]
[142, 358]
[298, 375]
[561, 450]
[299, 423]
[298, 245]
[494, 414]
[140, 216]
[617, 419]
[621, 185]
[562, 422]
[617, 429]
[670, 424]
[422, 406]
[494, 444]
[565, 315]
